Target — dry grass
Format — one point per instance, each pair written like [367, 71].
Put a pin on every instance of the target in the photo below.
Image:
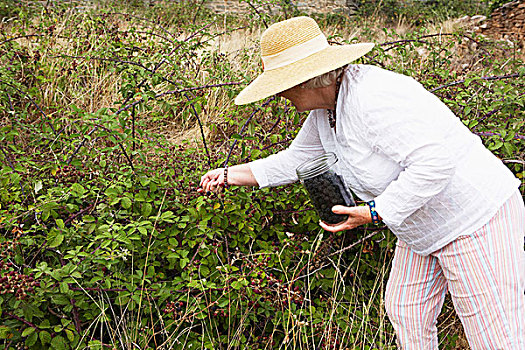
[90, 85]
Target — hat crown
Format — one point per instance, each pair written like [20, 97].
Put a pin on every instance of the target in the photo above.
[289, 33]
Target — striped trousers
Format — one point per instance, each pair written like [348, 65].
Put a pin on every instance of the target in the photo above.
[485, 275]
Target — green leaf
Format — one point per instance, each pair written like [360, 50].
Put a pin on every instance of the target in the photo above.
[30, 310]
[167, 215]
[114, 201]
[144, 181]
[60, 223]
[184, 262]
[77, 189]
[496, 145]
[31, 340]
[112, 192]
[5, 332]
[28, 331]
[146, 209]
[58, 343]
[173, 242]
[510, 149]
[64, 288]
[236, 285]
[126, 202]
[70, 335]
[204, 270]
[45, 337]
[204, 251]
[56, 241]
[76, 274]
[60, 300]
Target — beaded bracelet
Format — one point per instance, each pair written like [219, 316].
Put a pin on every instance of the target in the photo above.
[226, 177]
[373, 212]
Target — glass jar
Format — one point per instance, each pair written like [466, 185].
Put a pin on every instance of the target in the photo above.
[325, 188]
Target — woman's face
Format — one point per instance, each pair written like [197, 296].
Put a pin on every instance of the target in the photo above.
[298, 97]
[310, 99]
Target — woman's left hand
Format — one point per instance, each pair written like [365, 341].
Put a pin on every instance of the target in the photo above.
[357, 216]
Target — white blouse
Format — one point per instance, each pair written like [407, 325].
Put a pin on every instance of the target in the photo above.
[431, 178]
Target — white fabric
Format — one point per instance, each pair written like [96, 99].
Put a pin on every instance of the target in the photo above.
[295, 53]
[397, 143]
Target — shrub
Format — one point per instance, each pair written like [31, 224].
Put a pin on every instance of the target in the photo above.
[105, 241]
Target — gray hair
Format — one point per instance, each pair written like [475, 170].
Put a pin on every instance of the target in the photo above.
[323, 80]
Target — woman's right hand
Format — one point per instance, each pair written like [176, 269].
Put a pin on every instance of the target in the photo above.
[238, 175]
[212, 180]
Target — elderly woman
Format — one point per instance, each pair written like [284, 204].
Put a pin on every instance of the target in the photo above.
[454, 207]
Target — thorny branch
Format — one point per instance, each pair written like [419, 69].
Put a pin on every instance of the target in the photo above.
[397, 43]
[241, 132]
[33, 102]
[497, 77]
[258, 13]
[202, 130]
[171, 92]
[152, 71]
[151, 33]
[140, 65]
[20, 37]
[81, 144]
[164, 60]
[488, 133]
[141, 18]
[12, 167]
[492, 112]
[32, 325]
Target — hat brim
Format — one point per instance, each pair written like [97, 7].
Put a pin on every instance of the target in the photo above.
[277, 80]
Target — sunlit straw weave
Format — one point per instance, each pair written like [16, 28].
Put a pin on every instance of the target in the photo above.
[294, 51]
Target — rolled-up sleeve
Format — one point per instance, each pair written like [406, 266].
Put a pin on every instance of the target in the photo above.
[279, 169]
[399, 125]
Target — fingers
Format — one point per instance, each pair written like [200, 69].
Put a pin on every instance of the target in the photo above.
[210, 175]
[340, 209]
[355, 218]
[213, 185]
[210, 185]
[212, 180]
[333, 228]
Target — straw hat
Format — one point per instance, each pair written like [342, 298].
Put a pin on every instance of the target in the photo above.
[294, 51]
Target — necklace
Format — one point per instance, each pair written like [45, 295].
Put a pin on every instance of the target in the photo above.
[332, 112]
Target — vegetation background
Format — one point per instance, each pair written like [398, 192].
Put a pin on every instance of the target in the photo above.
[110, 112]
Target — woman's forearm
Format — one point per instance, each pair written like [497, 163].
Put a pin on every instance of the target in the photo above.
[241, 175]
[238, 175]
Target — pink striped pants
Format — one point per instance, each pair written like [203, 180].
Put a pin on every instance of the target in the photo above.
[485, 274]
